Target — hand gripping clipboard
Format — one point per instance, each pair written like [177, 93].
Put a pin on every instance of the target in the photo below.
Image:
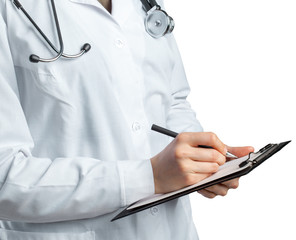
[230, 170]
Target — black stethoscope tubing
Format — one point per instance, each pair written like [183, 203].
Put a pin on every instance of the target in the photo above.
[34, 58]
[149, 4]
[157, 22]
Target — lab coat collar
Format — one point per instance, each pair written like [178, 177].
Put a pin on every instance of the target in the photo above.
[94, 3]
[120, 9]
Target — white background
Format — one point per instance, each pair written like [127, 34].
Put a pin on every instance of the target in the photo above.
[240, 59]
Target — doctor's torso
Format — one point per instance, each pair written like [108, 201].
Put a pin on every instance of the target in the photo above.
[100, 105]
[98, 94]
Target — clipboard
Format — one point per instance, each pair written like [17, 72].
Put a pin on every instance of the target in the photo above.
[230, 170]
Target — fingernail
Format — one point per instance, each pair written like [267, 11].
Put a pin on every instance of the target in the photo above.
[225, 150]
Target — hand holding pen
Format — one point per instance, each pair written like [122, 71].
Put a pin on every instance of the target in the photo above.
[183, 163]
[174, 134]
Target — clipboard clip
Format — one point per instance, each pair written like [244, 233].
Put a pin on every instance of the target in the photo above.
[262, 150]
[266, 148]
[244, 163]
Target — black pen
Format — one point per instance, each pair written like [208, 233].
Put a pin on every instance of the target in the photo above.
[174, 134]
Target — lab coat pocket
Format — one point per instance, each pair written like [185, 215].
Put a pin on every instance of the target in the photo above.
[18, 235]
[32, 81]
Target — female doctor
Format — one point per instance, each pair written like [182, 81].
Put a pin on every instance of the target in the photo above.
[75, 138]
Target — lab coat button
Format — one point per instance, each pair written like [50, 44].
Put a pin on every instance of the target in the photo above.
[136, 126]
[119, 43]
[154, 210]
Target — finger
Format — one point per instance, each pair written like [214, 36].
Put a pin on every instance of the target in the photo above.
[231, 184]
[207, 155]
[203, 167]
[203, 138]
[207, 194]
[218, 189]
[240, 151]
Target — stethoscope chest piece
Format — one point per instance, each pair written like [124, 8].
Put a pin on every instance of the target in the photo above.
[158, 22]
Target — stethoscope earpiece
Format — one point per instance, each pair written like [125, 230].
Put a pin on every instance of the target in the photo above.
[86, 47]
[34, 58]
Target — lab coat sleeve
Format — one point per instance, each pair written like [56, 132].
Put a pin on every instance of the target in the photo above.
[48, 190]
[181, 116]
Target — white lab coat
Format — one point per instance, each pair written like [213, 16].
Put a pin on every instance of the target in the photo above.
[75, 138]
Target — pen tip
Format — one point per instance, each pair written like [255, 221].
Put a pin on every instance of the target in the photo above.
[230, 155]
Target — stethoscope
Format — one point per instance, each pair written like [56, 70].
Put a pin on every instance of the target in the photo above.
[157, 24]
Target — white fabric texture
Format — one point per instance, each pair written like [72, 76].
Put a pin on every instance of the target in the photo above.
[75, 138]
